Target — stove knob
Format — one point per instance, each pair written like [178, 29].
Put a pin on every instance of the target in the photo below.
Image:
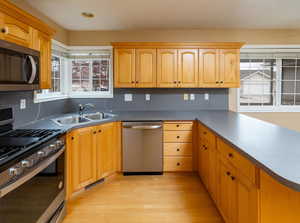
[52, 147]
[41, 153]
[59, 143]
[25, 163]
[14, 171]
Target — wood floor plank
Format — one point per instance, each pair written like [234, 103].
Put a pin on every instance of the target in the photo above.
[174, 198]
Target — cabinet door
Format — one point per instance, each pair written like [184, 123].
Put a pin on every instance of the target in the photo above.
[146, 68]
[82, 158]
[124, 68]
[167, 68]
[105, 150]
[227, 191]
[188, 68]
[15, 31]
[247, 201]
[213, 173]
[230, 68]
[209, 68]
[45, 61]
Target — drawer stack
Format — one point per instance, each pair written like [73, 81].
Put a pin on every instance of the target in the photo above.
[178, 146]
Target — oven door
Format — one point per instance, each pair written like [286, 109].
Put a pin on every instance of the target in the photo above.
[37, 199]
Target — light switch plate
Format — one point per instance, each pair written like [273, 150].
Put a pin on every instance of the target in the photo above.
[192, 97]
[127, 97]
[147, 97]
[22, 103]
[185, 97]
[206, 96]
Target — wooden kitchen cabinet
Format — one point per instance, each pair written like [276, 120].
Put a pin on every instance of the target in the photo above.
[219, 68]
[15, 31]
[167, 69]
[44, 43]
[229, 68]
[124, 68]
[188, 68]
[81, 154]
[106, 150]
[145, 68]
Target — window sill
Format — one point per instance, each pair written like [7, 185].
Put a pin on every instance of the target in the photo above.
[49, 98]
[88, 95]
[291, 108]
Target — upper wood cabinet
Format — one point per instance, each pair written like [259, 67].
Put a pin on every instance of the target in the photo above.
[124, 68]
[167, 73]
[229, 68]
[21, 28]
[145, 68]
[188, 68]
[15, 31]
[209, 68]
[177, 65]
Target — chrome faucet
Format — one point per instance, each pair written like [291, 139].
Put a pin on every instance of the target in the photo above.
[84, 107]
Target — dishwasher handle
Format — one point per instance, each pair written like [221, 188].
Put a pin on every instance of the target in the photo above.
[143, 127]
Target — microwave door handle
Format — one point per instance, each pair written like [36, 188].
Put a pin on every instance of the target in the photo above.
[33, 70]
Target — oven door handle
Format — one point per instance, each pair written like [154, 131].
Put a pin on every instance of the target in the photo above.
[42, 166]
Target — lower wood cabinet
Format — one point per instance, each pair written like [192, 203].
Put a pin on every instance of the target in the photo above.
[178, 146]
[92, 153]
[230, 179]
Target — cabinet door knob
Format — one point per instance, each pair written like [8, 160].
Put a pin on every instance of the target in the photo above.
[230, 155]
[232, 178]
[4, 30]
[228, 173]
[178, 164]
[94, 132]
[132, 82]
[217, 82]
[175, 82]
[179, 82]
[221, 82]
[204, 133]
[136, 82]
[177, 137]
[178, 150]
[177, 126]
[99, 131]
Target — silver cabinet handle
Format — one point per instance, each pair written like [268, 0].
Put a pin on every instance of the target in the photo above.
[145, 127]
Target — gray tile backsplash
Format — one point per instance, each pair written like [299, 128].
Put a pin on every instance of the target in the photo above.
[161, 99]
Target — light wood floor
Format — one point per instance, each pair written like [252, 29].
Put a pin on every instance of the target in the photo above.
[170, 198]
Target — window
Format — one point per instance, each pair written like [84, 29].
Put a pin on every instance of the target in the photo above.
[79, 72]
[57, 91]
[269, 82]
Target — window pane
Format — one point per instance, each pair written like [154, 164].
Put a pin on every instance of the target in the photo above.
[80, 69]
[287, 99]
[288, 87]
[55, 67]
[289, 62]
[100, 75]
[257, 82]
[297, 99]
[288, 73]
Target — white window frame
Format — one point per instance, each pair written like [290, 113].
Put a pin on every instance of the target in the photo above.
[66, 76]
[277, 107]
[52, 96]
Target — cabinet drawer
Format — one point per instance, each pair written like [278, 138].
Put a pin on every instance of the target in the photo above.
[178, 149]
[178, 136]
[237, 160]
[188, 126]
[178, 164]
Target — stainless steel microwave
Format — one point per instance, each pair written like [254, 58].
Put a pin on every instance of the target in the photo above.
[19, 67]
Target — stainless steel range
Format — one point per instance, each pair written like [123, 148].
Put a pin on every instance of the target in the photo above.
[32, 172]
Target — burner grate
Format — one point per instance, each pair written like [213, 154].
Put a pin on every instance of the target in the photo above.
[6, 151]
[40, 133]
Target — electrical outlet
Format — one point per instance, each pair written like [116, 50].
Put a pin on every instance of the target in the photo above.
[185, 97]
[127, 97]
[192, 97]
[206, 96]
[22, 103]
[147, 97]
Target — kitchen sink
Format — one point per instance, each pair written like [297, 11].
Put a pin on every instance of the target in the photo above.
[77, 120]
[98, 116]
[71, 120]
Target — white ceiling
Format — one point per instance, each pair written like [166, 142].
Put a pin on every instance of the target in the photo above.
[171, 14]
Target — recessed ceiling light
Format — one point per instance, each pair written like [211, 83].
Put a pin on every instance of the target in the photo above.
[88, 15]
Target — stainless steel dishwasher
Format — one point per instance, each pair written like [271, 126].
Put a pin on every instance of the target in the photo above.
[142, 148]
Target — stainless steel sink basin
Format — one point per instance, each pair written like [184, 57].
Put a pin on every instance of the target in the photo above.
[71, 120]
[96, 116]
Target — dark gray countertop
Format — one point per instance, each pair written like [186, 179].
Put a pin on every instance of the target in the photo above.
[271, 147]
